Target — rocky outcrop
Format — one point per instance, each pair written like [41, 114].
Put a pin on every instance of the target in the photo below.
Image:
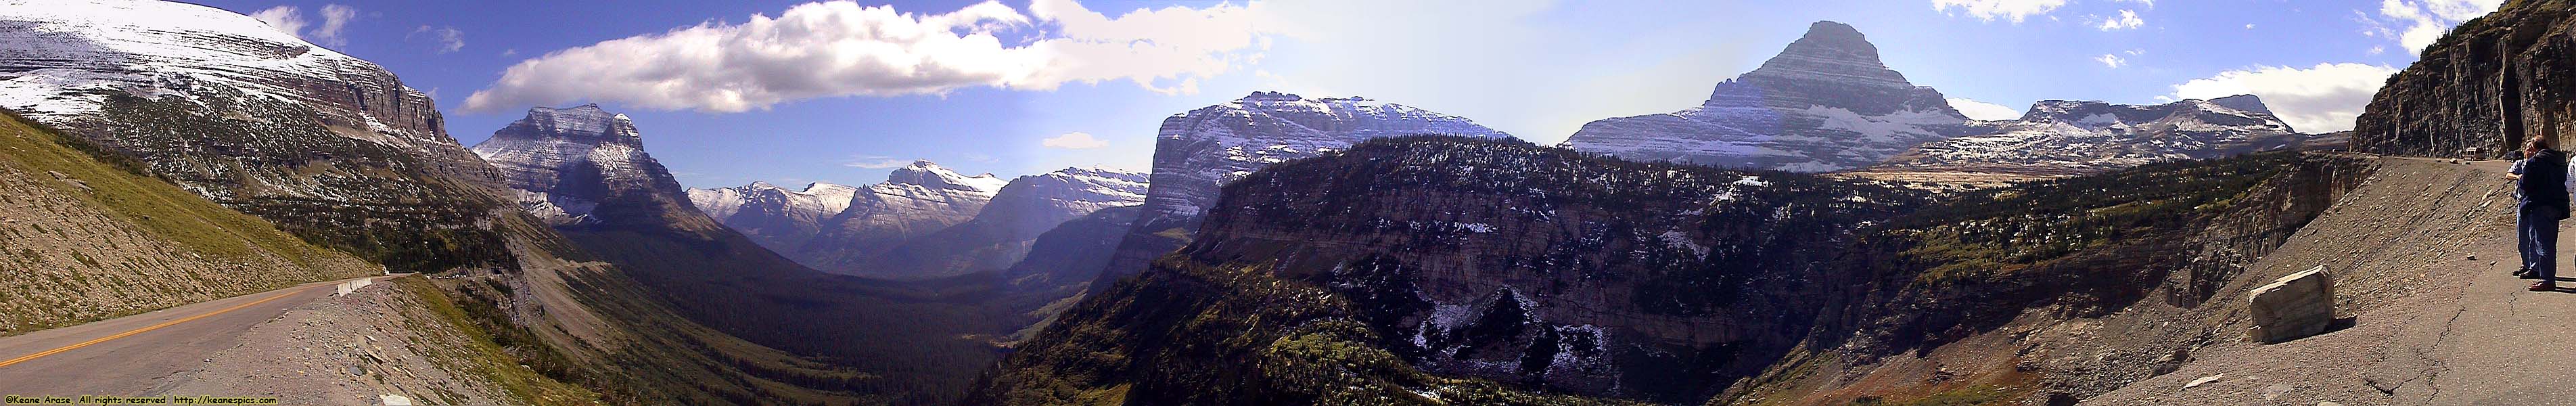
[1002, 233]
[332, 148]
[2065, 138]
[776, 217]
[914, 201]
[1198, 151]
[2481, 89]
[2295, 306]
[1825, 103]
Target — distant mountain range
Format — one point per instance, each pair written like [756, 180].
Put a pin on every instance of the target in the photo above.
[2062, 137]
[925, 221]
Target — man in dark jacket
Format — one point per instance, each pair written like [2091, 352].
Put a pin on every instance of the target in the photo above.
[2540, 184]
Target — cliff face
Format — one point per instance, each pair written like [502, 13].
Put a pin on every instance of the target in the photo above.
[1487, 259]
[1198, 151]
[773, 216]
[330, 147]
[2490, 83]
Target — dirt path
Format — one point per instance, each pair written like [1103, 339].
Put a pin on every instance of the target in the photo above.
[2431, 325]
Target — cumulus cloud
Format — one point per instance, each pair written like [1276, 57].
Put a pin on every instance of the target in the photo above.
[2323, 98]
[449, 39]
[2417, 23]
[335, 20]
[2111, 61]
[841, 48]
[2127, 20]
[2008, 10]
[283, 18]
[1983, 110]
[1073, 140]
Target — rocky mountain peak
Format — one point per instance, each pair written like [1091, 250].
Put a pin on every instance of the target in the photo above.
[565, 162]
[2076, 137]
[1830, 51]
[1824, 103]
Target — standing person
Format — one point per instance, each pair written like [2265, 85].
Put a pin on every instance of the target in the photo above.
[2540, 183]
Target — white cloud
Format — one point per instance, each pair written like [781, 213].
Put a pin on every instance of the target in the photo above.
[1983, 110]
[2420, 22]
[2127, 20]
[1073, 140]
[2111, 61]
[2249, 26]
[283, 18]
[449, 39]
[2149, 3]
[2323, 98]
[840, 48]
[875, 162]
[335, 20]
[1990, 10]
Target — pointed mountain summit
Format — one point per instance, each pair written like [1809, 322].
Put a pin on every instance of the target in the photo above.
[1824, 103]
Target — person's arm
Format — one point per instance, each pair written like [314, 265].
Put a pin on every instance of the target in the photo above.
[2516, 173]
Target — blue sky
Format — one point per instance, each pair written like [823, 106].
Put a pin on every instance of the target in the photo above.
[805, 106]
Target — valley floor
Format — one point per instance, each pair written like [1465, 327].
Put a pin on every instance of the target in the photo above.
[2420, 257]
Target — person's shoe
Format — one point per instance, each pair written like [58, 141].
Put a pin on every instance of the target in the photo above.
[2525, 274]
[2543, 286]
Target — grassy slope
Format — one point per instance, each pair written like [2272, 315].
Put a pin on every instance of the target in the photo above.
[190, 249]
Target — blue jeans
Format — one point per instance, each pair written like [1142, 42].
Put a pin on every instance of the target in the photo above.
[2538, 227]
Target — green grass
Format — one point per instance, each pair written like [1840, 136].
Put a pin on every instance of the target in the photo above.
[159, 207]
[485, 355]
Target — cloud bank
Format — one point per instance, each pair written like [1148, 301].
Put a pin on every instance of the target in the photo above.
[2318, 99]
[2419, 22]
[2007, 10]
[841, 48]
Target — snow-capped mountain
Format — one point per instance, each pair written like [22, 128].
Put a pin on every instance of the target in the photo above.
[779, 218]
[1825, 103]
[564, 163]
[1198, 151]
[2063, 137]
[914, 200]
[1004, 231]
[258, 120]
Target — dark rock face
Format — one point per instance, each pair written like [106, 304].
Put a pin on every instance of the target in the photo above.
[330, 147]
[1071, 254]
[2489, 84]
[2062, 138]
[1198, 151]
[1518, 263]
[1825, 103]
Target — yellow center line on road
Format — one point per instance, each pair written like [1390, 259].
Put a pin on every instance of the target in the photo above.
[15, 361]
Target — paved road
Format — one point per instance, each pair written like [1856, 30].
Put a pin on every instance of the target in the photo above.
[136, 355]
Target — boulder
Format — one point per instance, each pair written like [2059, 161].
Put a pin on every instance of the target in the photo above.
[2295, 306]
